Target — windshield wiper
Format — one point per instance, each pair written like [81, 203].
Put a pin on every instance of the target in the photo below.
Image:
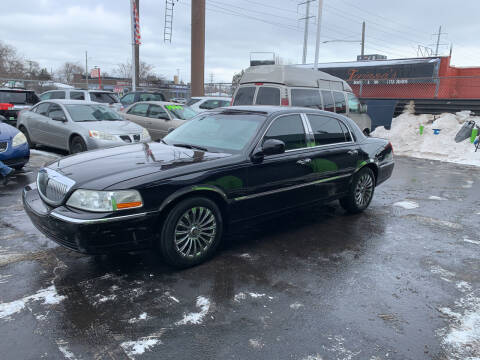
[189, 146]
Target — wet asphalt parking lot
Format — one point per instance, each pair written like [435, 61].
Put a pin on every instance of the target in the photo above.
[400, 281]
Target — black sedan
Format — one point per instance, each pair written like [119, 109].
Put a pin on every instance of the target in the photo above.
[222, 167]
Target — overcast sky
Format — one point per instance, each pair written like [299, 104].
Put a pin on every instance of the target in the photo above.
[53, 31]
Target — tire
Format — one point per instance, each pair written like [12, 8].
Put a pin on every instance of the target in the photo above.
[360, 193]
[31, 144]
[181, 243]
[77, 145]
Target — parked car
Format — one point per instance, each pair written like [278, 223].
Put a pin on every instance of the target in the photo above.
[100, 96]
[223, 166]
[14, 150]
[136, 96]
[204, 103]
[76, 126]
[12, 101]
[158, 117]
[288, 85]
[179, 100]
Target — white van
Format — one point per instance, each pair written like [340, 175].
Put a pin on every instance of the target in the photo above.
[287, 85]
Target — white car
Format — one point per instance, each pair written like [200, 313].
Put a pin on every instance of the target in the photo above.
[105, 97]
[204, 103]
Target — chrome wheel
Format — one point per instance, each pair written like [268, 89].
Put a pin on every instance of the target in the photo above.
[364, 190]
[195, 231]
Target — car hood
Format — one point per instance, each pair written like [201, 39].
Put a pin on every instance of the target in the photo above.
[7, 132]
[100, 169]
[120, 127]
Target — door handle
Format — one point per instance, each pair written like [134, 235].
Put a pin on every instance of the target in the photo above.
[304, 161]
[352, 152]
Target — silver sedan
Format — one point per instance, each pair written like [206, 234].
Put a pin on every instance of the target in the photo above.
[78, 126]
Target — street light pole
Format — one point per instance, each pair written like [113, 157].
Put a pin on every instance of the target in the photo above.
[319, 25]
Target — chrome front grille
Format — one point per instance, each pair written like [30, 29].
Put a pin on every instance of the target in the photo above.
[53, 186]
[130, 138]
[3, 146]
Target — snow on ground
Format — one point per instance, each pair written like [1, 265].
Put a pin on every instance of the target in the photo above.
[406, 139]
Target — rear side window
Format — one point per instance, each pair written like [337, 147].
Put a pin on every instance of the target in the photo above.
[151, 97]
[348, 137]
[139, 109]
[290, 130]
[157, 112]
[42, 109]
[340, 104]
[326, 130]
[353, 104]
[77, 95]
[102, 97]
[244, 96]
[268, 96]
[306, 98]
[328, 104]
[128, 99]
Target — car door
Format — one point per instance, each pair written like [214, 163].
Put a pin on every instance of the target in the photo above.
[58, 130]
[157, 122]
[333, 155]
[37, 123]
[138, 114]
[281, 181]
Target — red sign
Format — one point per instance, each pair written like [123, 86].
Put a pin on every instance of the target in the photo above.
[95, 72]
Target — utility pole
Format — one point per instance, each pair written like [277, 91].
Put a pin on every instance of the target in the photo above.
[197, 74]
[305, 30]
[137, 51]
[86, 69]
[132, 30]
[319, 25]
[363, 40]
[439, 35]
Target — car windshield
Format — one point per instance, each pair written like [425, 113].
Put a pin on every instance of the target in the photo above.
[91, 113]
[103, 97]
[229, 133]
[180, 112]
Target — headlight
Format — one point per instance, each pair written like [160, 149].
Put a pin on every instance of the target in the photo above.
[145, 135]
[19, 139]
[105, 201]
[101, 135]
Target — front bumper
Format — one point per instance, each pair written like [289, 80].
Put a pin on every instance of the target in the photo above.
[15, 156]
[90, 233]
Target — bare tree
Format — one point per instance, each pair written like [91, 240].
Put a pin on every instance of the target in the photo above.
[124, 70]
[11, 64]
[67, 70]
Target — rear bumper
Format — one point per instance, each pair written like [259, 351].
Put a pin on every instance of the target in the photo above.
[90, 233]
[385, 171]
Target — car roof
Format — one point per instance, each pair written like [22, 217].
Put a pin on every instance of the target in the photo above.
[211, 97]
[153, 102]
[72, 102]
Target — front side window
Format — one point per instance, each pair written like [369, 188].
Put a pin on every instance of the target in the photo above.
[306, 98]
[328, 104]
[340, 104]
[192, 101]
[128, 99]
[157, 112]
[56, 112]
[290, 130]
[244, 96]
[45, 96]
[42, 109]
[103, 97]
[326, 130]
[77, 95]
[139, 110]
[268, 96]
[229, 133]
[353, 104]
[88, 112]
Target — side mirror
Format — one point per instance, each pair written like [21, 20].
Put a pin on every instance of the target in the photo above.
[366, 132]
[273, 147]
[60, 118]
[363, 108]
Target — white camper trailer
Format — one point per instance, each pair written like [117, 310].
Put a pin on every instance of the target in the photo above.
[288, 85]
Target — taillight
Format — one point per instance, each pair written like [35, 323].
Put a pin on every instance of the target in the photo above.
[284, 102]
[259, 84]
[5, 106]
[391, 146]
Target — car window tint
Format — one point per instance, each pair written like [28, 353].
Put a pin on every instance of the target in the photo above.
[326, 130]
[58, 95]
[224, 103]
[42, 109]
[103, 97]
[328, 104]
[128, 99]
[348, 137]
[192, 101]
[77, 95]
[353, 104]
[340, 104]
[210, 104]
[306, 98]
[150, 97]
[45, 96]
[290, 130]
[268, 96]
[55, 111]
[244, 96]
[139, 109]
[157, 112]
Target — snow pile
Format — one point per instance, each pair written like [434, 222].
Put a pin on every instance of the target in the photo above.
[406, 139]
